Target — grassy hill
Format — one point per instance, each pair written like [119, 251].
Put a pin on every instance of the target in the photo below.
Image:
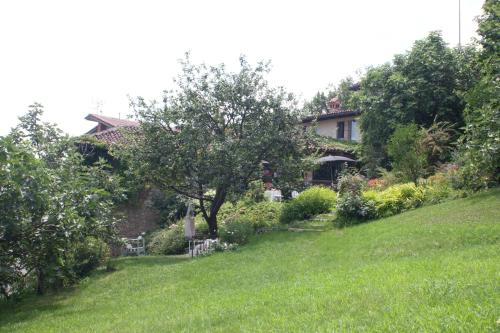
[433, 269]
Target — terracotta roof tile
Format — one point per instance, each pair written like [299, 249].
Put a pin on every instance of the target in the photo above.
[110, 121]
[113, 135]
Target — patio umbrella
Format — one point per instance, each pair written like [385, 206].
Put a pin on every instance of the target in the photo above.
[332, 158]
[189, 229]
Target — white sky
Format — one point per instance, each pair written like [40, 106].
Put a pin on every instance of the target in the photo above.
[70, 55]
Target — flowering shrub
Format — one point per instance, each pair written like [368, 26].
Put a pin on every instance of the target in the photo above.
[313, 201]
[351, 183]
[376, 183]
[353, 208]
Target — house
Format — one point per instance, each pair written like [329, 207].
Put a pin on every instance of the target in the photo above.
[108, 129]
[338, 132]
[138, 213]
[336, 122]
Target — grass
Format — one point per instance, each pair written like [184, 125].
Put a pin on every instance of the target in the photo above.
[434, 269]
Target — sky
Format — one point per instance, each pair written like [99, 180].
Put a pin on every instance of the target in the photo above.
[81, 57]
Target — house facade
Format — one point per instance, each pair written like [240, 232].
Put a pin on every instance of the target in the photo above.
[339, 130]
[138, 214]
[336, 122]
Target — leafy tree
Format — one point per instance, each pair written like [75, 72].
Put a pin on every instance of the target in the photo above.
[407, 158]
[208, 139]
[50, 202]
[480, 145]
[319, 103]
[421, 86]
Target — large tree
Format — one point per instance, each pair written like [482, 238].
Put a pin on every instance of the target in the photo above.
[208, 138]
[480, 148]
[49, 203]
[422, 86]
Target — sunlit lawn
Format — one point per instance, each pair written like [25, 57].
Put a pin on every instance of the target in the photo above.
[433, 269]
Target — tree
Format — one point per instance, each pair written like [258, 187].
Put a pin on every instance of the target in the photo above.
[404, 148]
[208, 138]
[480, 144]
[425, 85]
[50, 202]
[319, 103]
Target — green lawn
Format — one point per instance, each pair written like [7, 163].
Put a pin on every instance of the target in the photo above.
[434, 269]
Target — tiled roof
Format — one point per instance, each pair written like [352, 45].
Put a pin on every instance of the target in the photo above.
[110, 121]
[110, 130]
[331, 114]
[112, 135]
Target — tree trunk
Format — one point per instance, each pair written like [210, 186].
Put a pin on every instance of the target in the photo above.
[40, 282]
[212, 226]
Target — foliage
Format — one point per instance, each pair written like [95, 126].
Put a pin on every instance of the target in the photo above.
[88, 255]
[262, 215]
[170, 240]
[352, 209]
[315, 200]
[442, 186]
[50, 201]
[94, 151]
[418, 152]
[255, 191]
[396, 199]
[424, 85]
[319, 103]
[236, 229]
[357, 203]
[170, 206]
[434, 269]
[480, 144]
[209, 137]
[407, 156]
[350, 181]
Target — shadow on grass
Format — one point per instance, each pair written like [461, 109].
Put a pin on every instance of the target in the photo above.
[150, 261]
[32, 306]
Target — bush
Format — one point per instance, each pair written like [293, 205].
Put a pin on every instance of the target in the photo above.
[408, 157]
[352, 183]
[89, 255]
[236, 229]
[262, 215]
[313, 201]
[352, 209]
[399, 198]
[170, 240]
[440, 187]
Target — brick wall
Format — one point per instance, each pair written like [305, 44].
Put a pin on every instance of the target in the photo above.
[137, 216]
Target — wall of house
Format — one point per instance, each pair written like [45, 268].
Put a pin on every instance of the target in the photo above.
[136, 217]
[328, 127]
[140, 216]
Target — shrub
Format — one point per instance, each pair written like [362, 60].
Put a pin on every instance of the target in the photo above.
[352, 183]
[170, 240]
[236, 229]
[262, 215]
[407, 155]
[255, 191]
[89, 255]
[313, 201]
[440, 187]
[353, 208]
[398, 198]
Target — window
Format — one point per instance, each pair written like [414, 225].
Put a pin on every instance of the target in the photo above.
[340, 130]
[354, 131]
